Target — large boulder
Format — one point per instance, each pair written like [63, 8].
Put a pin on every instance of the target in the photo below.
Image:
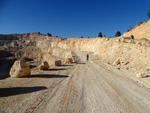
[44, 66]
[20, 69]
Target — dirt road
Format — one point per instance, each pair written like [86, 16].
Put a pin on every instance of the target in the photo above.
[79, 88]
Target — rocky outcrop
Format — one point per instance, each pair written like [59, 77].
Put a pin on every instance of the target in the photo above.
[20, 69]
[63, 53]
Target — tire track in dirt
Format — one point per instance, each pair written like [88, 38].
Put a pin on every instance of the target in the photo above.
[121, 91]
[66, 98]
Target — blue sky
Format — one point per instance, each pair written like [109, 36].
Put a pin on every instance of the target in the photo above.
[71, 18]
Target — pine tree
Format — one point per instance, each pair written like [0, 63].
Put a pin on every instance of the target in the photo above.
[118, 34]
[149, 12]
[49, 34]
[100, 34]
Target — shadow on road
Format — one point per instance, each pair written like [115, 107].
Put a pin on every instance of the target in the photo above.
[66, 65]
[55, 69]
[147, 75]
[47, 76]
[5, 92]
[5, 68]
[81, 63]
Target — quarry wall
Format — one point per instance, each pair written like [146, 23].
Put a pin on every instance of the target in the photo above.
[131, 54]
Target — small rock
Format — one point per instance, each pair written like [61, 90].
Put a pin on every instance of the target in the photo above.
[141, 75]
[58, 63]
[70, 60]
[44, 66]
[117, 62]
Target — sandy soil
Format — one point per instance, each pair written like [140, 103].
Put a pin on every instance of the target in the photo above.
[90, 87]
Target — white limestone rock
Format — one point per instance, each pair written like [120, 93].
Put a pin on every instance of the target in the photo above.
[20, 69]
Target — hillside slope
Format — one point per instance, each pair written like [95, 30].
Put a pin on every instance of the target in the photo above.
[139, 32]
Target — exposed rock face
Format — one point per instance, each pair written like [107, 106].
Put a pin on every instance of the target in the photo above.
[20, 69]
[44, 66]
[140, 31]
[63, 53]
[79, 44]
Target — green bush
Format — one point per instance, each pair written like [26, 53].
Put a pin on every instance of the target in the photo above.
[149, 12]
